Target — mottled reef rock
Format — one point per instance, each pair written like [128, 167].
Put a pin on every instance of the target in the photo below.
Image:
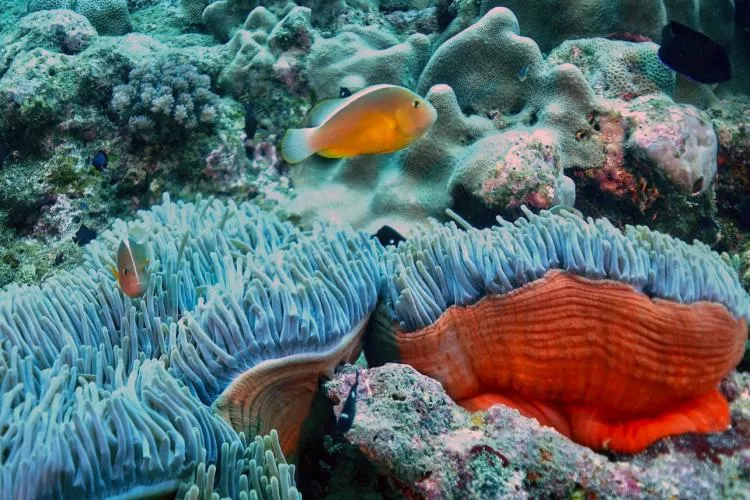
[409, 439]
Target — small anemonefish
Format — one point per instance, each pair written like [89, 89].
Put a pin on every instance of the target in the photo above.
[346, 419]
[132, 271]
[377, 119]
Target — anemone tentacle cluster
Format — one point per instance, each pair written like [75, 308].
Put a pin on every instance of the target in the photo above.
[245, 313]
[257, 347]
[79, 347]
[443, 266]
[615, 339]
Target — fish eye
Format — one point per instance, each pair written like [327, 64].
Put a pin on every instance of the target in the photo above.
[415, 104]
[125, 271]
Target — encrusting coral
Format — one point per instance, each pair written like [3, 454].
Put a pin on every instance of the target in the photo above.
[614, 339]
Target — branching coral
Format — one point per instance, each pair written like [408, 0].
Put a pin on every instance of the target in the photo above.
[165, 100]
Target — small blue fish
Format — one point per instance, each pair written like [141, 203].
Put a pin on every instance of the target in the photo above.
[346, 419]
[523, 73]
[100, 160]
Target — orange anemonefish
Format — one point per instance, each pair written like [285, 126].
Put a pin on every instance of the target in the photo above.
[132, 271]
[377, 119]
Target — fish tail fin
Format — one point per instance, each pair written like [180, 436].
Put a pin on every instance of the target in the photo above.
[296, 145]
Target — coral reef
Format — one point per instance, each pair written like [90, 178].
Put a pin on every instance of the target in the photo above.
[266, 51]
[171, 394]
[578, 19]
[512, 128]
[358, 58]
[456, 302]
[730, 119]
[410, 439]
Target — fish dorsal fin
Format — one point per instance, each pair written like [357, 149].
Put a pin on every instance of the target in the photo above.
[323, 110]
[326, 109]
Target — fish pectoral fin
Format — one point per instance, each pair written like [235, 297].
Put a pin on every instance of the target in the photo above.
[296, 146]
[323, 110]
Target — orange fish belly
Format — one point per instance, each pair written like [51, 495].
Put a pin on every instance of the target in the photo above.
[359, 134]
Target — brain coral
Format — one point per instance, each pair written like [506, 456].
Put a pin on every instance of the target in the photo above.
[109, 17]
[192, 10]
[616, 68]
[614, 339]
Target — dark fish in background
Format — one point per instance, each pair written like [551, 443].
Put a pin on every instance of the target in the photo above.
[251, 121]
[4, 154]
[742, 20]
[693, 54]
[344, 92]
[386, 235]
[84, 235]
[346, 419]
[59, 258]
[100, 160]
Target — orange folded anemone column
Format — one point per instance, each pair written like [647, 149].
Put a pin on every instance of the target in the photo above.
[596, 359]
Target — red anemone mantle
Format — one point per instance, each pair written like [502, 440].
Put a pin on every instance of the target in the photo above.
[599, 361]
